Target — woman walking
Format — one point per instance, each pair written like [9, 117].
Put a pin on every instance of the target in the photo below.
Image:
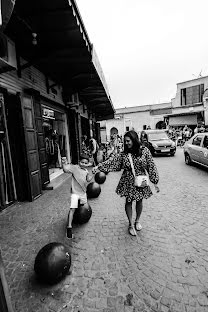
[135, 160]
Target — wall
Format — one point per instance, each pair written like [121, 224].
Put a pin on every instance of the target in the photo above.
[134, 121]
[30, 78]
[136, 117]
[116, 123]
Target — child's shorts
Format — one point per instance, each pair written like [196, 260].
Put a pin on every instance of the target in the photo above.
[76, 199]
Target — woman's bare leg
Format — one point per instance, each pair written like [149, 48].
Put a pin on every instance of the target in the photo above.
[139, 207]
[128, 209]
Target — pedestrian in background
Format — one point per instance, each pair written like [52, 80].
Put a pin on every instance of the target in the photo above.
[144, 139]
[94, 147]
[142, 161]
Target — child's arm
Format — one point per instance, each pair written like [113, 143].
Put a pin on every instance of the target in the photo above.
[67, 168]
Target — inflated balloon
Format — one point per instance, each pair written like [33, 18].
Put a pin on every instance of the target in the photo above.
[52, 263]
[93, 190]
[100, 177]
[82, 214]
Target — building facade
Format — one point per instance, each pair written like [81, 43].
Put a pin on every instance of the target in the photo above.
[52, 93]
[138, 118]
[189, 105]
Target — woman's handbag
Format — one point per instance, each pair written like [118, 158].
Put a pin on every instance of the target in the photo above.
[139, 180]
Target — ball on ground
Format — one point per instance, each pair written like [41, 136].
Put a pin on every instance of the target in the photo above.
[52, 263]
[82, 214]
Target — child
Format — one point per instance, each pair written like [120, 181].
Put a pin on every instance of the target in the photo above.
[80, 179]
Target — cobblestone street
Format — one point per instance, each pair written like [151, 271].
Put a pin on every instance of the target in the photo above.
[164, 268]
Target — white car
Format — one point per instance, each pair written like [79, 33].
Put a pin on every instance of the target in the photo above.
[196, 149]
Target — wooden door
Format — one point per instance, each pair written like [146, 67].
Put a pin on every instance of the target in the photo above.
[41, 140]
[33, 166]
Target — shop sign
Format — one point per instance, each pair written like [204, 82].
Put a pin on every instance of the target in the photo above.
[48, 113]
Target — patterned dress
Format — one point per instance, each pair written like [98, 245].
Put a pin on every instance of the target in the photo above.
[126, 185]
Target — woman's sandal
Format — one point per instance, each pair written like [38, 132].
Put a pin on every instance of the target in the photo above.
[137, 225]
[132, 231]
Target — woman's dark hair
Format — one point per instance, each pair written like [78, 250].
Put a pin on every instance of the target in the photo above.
[136, 148]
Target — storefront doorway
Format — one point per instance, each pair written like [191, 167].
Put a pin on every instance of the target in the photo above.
[85, 127]
[55, 132]
[7, 182]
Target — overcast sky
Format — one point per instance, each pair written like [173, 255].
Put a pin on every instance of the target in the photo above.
[146, 47]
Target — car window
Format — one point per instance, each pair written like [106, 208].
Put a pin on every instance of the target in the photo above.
[197, 140]
[157, 136]
[205, 142]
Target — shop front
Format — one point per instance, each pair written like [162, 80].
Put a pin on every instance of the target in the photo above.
[56, 138]
[189, 119]
[33, 138]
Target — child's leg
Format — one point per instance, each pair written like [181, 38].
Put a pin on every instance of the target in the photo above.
[70, 217]
[73, 207]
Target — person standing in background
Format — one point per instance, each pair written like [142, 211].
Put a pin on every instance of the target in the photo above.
[144, 139]
[93, 145]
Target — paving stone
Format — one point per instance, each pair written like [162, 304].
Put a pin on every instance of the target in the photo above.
[203, 300]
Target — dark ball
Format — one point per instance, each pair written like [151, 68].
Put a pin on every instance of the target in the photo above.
[93, 190]
[82, 214]
[100, 177]
[52, 263]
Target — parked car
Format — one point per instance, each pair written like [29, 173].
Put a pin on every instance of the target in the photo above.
[196, 149]
[160, 143]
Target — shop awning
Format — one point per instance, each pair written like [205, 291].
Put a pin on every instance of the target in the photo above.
[183, 120]
[63, 51]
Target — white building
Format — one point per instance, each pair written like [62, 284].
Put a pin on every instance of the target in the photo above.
[137, 118]
[189, 107]
[189, 104]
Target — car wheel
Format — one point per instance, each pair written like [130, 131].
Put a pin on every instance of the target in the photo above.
[172, 154]
[188, 159]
